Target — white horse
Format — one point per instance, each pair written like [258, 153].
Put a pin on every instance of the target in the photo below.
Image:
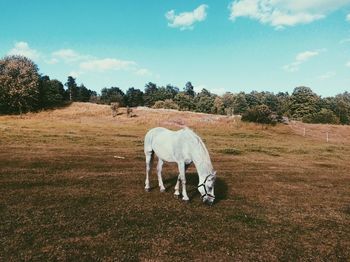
[182, 147]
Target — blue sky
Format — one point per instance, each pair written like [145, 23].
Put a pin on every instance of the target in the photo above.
[242, 45]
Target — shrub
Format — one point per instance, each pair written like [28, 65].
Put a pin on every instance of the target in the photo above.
[114, 108]
[259, 114]
[167, 104]
[324, 116]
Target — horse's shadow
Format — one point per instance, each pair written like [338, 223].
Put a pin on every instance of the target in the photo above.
[221, 187]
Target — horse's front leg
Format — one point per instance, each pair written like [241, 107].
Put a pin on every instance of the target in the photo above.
[177, 187]
[182, 176]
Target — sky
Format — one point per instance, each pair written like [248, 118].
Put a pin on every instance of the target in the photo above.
[223, 46]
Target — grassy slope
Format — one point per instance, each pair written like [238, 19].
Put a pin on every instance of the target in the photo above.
[281, 196]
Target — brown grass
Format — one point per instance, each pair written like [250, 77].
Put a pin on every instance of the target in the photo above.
[281, 196]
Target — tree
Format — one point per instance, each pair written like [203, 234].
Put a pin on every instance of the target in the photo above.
[150, 94]
[342, 107]
[204, 101]
[134, 97]
[73, 89]
[19, 84]
[85, 94]
[271, 100]
[184, 101]
[171, 90]
[218, 107]
[283, 103]
[189, 89]
[113, 94]
[240, 104]
[51, 92]
[168, 92]
[258, 114]
[253, 99]
[303, 102]
[325, 116]
[228, 99]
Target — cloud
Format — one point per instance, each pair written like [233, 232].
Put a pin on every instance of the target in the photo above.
[348, 18]
[51, 61]
[69, 55]
[23, 49]
[79, 64]
[217, 91]
[347, 64]
[106, 64]
[344, 41]
[186, 20]
[300, 59]
[75, 74]
[304, 56]
[143, 72]
[327, 75]
[283, 13]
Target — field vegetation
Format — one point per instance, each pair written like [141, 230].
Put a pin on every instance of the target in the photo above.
[72, 179]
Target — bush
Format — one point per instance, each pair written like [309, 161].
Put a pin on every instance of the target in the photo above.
[114, 108]
[166, 104]
[259, 114]
[324, 116]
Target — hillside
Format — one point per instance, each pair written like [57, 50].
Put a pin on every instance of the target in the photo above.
[72, 180]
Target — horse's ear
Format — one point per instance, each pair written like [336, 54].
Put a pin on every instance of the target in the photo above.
[214, 173]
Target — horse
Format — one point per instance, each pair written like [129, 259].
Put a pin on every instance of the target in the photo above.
[183, 147]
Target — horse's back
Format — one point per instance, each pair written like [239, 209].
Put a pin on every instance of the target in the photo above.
[167, 144]
[152, 134]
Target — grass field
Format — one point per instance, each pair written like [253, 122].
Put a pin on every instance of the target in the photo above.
[65, 196]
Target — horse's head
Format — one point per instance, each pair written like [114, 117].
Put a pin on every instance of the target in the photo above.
[206, 189]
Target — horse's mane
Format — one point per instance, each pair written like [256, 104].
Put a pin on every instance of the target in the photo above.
[202, 147]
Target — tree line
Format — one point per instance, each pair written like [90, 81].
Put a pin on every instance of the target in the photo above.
[23, 89]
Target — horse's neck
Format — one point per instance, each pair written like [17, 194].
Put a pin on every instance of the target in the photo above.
[203, 170]
[203, 165]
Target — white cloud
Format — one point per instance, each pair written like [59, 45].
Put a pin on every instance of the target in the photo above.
[75, 74]
[304, 56]
[218, 91]
[186, 20]
[348, 18]
[106, 64]
[143, 72]
[23, 49]
[300, 59]
[327, 75]
[69, 55]
[282, 13]
[344, 41]
[347, 64]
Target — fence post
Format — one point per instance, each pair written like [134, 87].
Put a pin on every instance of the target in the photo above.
[304, 131]
[327, 137]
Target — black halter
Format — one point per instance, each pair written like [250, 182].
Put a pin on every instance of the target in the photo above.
[205, 189]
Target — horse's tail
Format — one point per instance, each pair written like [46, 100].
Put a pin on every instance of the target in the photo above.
[148, 143]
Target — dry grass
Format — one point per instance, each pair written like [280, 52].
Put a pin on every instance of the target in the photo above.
[64, 196]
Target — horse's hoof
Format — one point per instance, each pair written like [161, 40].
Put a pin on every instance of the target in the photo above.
[162, 190]
[176, 196]
[186, 201]
[147, 189]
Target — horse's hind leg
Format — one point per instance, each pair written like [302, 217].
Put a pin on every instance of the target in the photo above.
[149, 160]
[159, 173]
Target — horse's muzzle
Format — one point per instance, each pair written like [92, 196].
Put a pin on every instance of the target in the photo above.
[208, 201]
